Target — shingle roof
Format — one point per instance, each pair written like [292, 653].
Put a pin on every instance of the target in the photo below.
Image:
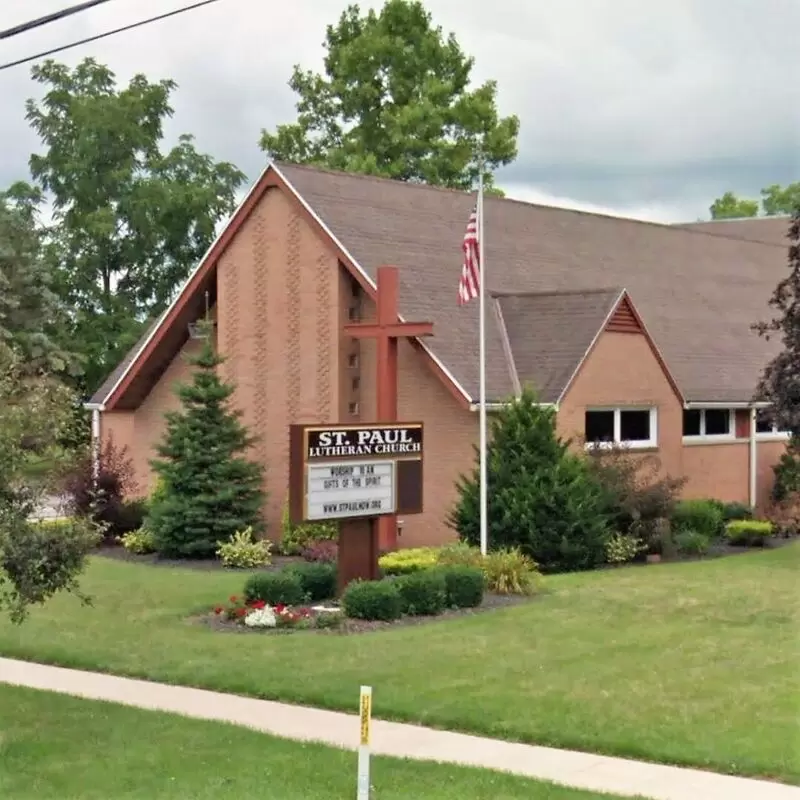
[107, 386]
[697, 293]
[549, 334]
[767, 230]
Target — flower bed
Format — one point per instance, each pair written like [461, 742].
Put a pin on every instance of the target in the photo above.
[257, 615]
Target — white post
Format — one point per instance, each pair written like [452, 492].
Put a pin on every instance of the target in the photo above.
[363, 747]
[753, 460]
[484, 494]
[96, 442]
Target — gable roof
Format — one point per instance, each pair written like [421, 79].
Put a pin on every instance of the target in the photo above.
[766, 230]
[699, 293]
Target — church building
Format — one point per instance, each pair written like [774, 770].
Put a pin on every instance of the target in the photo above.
[635, 332]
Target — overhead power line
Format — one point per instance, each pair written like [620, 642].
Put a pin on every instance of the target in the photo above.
[95, 38]
[54, 17]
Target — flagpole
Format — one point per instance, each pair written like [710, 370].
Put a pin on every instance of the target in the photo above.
[484, 493]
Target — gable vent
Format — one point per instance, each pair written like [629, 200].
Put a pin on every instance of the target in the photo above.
[623, 320]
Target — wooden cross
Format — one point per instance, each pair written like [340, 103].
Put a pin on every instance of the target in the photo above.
[387, 329]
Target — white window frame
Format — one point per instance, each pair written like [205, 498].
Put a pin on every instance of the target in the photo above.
[773, 435]
[715, 437]
[639, 444]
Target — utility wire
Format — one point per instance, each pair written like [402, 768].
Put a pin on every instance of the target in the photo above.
[54, 17]
[107, 33]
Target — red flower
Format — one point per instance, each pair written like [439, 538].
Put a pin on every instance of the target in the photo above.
[218, 609]
[279, 608]
[240, 612]
[233, 598]
[258, 604]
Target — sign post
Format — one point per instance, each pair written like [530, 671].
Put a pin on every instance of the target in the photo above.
[363, 746]
[355, 474]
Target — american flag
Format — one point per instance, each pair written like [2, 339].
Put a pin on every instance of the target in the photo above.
[469, 284]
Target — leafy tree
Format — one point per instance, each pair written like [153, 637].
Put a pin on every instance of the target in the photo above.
[36, 561]
[30, 311]
[130, 220]
[209, 489]
[729, 206]
[776, 200]
[780, 383]
[395, 101]
[542, 498]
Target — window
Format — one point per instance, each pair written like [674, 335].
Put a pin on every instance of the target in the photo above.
[356, 384]
[765, 427]
[353, 408]
[633, 427]
[708, 423]
[353, 313]
[352, 360]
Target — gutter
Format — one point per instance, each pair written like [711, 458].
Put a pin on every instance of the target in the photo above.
[748, 406]
[753, 460]
[499, 406]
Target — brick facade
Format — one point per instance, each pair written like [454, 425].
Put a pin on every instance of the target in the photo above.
[283, 298]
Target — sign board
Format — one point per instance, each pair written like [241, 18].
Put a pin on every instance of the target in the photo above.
[347, 471]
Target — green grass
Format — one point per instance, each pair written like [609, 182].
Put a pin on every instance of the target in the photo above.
[692, 664]
[61, 748]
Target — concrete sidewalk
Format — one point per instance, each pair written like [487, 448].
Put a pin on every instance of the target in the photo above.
[580, 770]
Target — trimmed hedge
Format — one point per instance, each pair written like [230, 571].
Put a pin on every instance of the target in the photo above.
[404, 562]
[372, 600]
[464, 585]
[275, 588]
[748, 532]
[692, 543]
[423, 593]
[317, 579]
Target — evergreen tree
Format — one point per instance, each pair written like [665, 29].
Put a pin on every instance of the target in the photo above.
[210, 490]
[780, 383]
[542, 498]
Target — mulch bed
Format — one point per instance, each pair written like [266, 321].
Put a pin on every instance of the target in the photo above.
[121, 554]
[491, 602]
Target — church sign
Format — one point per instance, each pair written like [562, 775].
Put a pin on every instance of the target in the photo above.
[349, 471]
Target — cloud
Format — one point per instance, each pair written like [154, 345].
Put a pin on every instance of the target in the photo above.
[649, 110]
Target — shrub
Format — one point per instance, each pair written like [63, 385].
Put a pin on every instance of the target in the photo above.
[296, 538]
[244, 550]
[748, 532]
[787, 473]
[322, 550]
[211, 488]
[328, 620]
[460, 554]
[785, 516]
[372, 600]
[622, 548]
[318, 581]
[404, 562]
[140, 542]
[275, 588]
[511, 572]
[544, 499]
[703, 516]
[692, 543]
[731, 511]
[638, 496]
[102, 498]
[423, 593]
[464, 585]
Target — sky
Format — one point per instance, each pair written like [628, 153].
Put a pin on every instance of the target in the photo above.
[640, 109]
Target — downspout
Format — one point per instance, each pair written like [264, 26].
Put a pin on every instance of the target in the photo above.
[96, 409]
[753, 461]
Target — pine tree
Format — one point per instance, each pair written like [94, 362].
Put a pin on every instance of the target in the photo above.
[210, 490]
[542, 498]
[780, 383]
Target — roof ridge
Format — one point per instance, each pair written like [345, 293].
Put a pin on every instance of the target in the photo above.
[615, 290]
[678, 228]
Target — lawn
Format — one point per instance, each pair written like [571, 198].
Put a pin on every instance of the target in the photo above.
[692, 663]
[54, 747]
